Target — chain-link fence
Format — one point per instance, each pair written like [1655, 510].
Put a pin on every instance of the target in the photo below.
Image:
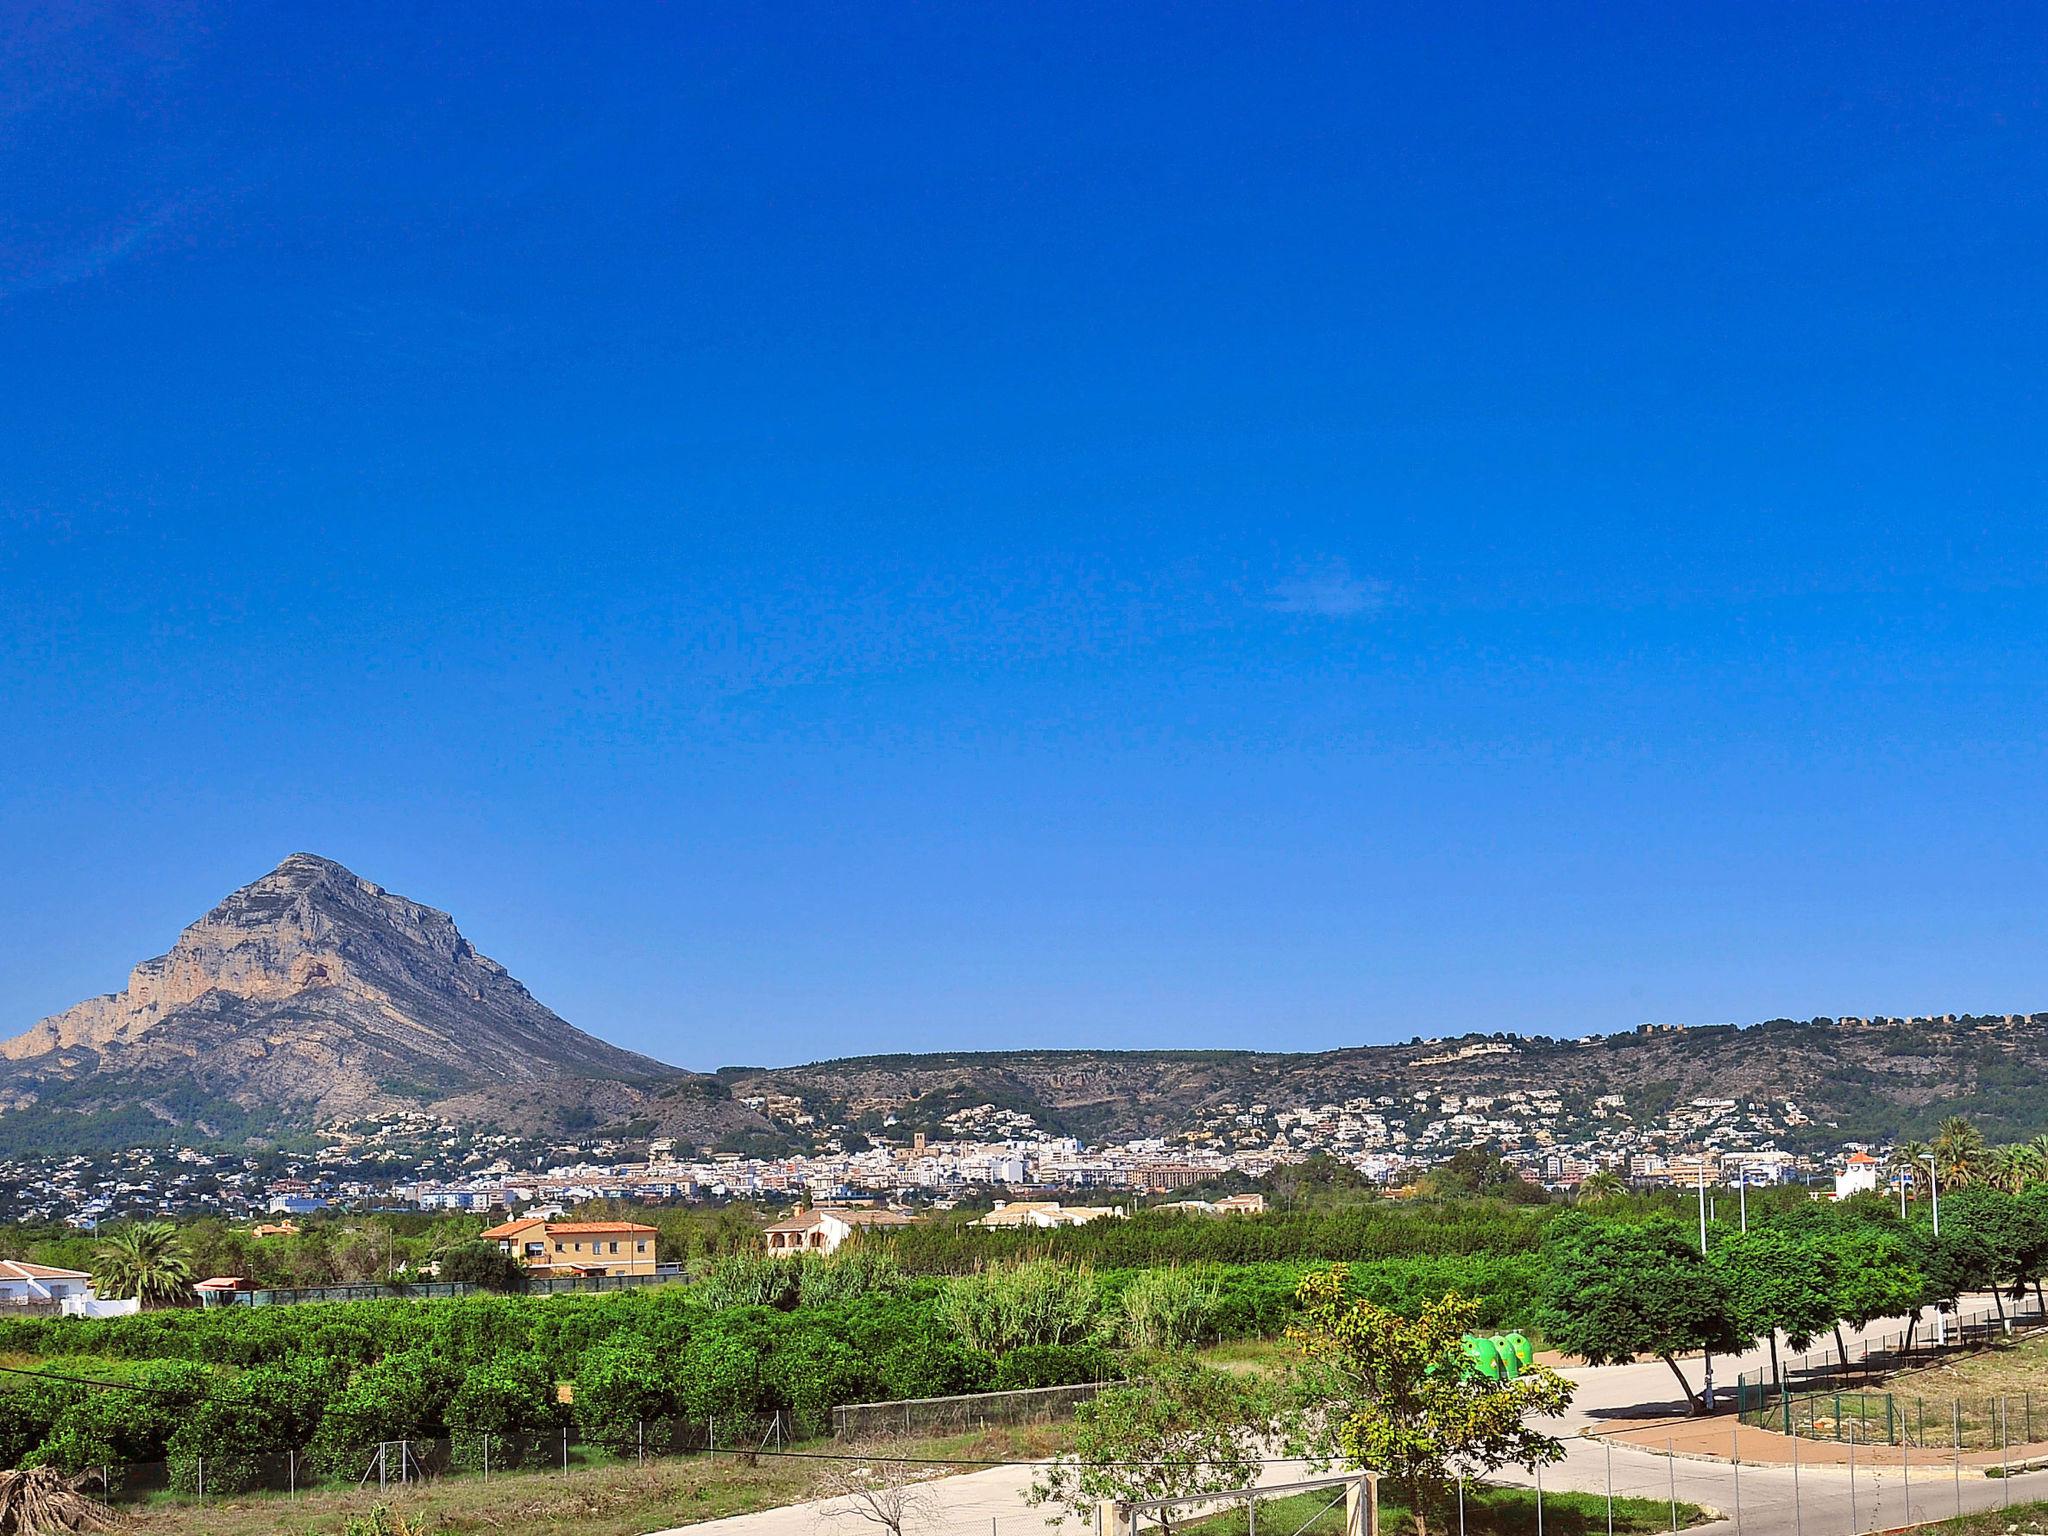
[403, 1463]
[1976, 1423]
[441, 1290]
[1875, 1359]
[954, 1415]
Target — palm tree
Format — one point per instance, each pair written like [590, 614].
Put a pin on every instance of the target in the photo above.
[145, 1261]
[2037, 1159]
[1596, 1187]
[2004, 1168]
[1959, 1149]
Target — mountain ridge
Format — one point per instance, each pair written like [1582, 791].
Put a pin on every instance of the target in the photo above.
[312, 995]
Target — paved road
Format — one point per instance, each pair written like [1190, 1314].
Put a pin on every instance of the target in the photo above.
[1813, 1500]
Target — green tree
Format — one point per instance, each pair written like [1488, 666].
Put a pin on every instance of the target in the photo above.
[144, 1262]
[1599, 1187]
[1375, 1389]
[1959, 1151]
[482, 1264]
[1777, 1281]
[511, 1399]
[1615, 1290]
[621, 1389]
[1187, 1429]
[1877, 1273]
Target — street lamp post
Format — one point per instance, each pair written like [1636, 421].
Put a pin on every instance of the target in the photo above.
[1706, 1355]
[1934, 1192]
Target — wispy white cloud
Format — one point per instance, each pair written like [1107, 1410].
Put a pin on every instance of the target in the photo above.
[1327, 589]
[105, 249]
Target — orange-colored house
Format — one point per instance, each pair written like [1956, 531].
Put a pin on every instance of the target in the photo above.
[578, 1247]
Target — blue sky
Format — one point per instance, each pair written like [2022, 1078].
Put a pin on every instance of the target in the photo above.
[826, 529]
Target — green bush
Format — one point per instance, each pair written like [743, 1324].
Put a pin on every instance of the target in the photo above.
[722, 1383]
[482, 1264]
[1170, 1309]
[620, 1389]
[807, 1374]
[401, 1397]
[1038, 1301]
[1054, 1365]
[512, 1400]
[248, 1421]
[925, 1366]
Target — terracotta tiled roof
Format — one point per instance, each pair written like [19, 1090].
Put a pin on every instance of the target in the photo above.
[15, 1269]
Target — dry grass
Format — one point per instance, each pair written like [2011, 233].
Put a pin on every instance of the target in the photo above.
[618, 1500]
[2001, 1372]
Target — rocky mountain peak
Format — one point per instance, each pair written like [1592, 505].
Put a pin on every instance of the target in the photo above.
[311, 982]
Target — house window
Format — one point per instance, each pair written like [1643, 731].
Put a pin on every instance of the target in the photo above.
[641, 1246]
[615, 1248]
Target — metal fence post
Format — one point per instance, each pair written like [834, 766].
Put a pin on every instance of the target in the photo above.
[1610, 1484]
[1671, 1470]
[202, 1479]
[1798, 1512]
[565, 1453]
[291, 1471]
[1461, 1504]
[1539, 1498]
[1957, 1453]
[1852, 1485]
[2005, 1447]
[1735, 1470]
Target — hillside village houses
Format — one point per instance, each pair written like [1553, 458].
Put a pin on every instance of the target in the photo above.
[985, 1151]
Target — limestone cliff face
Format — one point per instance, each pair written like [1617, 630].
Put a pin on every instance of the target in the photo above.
[314, 986]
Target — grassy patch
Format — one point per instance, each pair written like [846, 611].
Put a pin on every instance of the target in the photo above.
[1258, 1357]
[618, 1499]
[2020, 1520]
[1488, 1512]
[2003, 1371]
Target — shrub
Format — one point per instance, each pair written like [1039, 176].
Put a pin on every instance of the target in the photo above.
[482, 1264]
[808, 1374]
[926, 1366]
[722, 1383]
[1038, 1301]
[1170, 1309]
[113, 1424]
[511, 1399]
[621, 1387]
[1054, 1365]
[247, 1421]
[401, 1397]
